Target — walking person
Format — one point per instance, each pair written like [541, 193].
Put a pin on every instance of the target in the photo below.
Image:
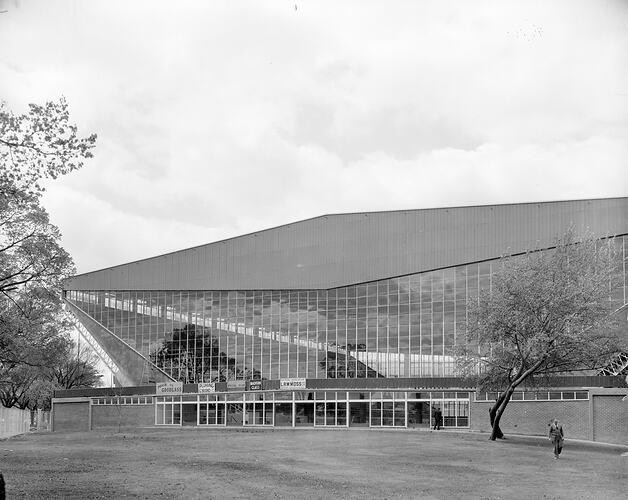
[556, 436]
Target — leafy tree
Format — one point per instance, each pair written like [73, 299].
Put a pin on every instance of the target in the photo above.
[547, 312]
[32, 386]
[32, 325]
[21, 379]
[37, 145]
[15, 388]
[30, 253]
[34, 146]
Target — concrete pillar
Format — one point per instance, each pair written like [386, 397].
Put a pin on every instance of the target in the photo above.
[591, 413]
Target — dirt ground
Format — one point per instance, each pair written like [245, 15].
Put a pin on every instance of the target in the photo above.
[286, 463]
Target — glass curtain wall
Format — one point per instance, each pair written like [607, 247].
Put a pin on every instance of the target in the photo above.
[314, 409]
[400, 327]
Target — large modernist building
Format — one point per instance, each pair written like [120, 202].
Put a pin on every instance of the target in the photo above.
[339, 320]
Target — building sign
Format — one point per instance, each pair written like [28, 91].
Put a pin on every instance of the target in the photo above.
[255, 385]
[166, 388]
[292, 383]
[236, 384]
[206, 387]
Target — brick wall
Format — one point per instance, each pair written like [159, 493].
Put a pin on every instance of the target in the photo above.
[532, 417]
[72, 416]
[603, 418]
[125, 415]
[610, 419]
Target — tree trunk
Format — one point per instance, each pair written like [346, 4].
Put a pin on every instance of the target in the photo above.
[497, 411]
[496, 432]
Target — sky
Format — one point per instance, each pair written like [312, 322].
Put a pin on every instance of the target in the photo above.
[216, 119]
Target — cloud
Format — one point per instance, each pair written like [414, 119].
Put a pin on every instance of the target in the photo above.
[101, 235]
[104, 234]
[218, 119]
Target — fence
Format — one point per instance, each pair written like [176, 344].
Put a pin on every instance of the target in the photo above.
[40, 420]
[14, 421]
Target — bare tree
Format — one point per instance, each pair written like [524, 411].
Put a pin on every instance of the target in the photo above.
[78, 368]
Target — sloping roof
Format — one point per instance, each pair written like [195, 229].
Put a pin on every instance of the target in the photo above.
[342, 249]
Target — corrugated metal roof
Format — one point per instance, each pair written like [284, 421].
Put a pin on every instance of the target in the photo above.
[336, 250]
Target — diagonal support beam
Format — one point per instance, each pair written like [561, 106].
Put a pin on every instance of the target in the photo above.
[93, 344]
[617, 366]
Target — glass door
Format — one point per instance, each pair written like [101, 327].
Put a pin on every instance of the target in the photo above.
[189, 413]
[258, 414]
[235, 414]
[358, 414]
[304, 414]
[283, 414]
[211, 414]
[419, 414]
[388, 414]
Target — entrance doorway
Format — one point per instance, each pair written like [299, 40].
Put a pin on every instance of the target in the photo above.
[331, 413]
[304, 414]
[283, 414]
[212, 414]
[388, 414]
[259, 414]
[419, 414]
[358, 414]
[189, 414]
[234, 414]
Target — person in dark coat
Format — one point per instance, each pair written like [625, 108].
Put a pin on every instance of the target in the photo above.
[556, 436]
[438, 418]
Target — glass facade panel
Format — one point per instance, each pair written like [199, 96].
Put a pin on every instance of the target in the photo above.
[283, 414]
[341, 413]
[235, 414]
[320, 414]
[358, 414]
[400, 327]
[304, 414]
[418, 414]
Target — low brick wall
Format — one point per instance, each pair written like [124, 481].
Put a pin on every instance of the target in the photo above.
[603, 417]
[104, 416]
[72, 415]
[610, 418]
[532, 417]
